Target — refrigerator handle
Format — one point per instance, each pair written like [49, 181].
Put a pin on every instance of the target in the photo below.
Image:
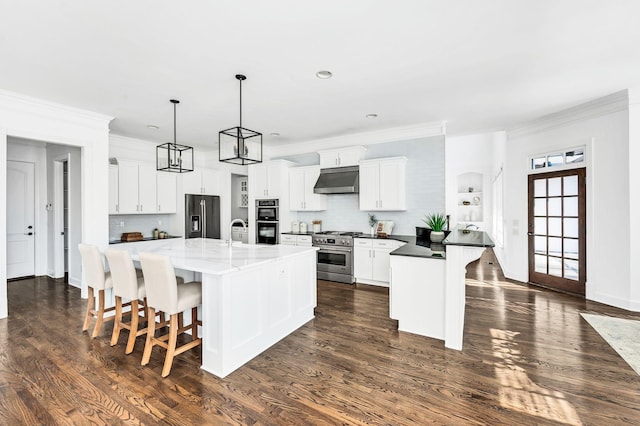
[203, 214]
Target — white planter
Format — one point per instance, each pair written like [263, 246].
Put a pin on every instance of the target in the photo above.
[436, 236]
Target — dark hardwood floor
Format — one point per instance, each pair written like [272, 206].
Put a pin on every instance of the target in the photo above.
[528, 358]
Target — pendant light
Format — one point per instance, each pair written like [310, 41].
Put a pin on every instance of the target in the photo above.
[239, 145]
[173, 157]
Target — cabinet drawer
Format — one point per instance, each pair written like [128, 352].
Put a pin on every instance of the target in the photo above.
[287, 239]
[362, 242]
[304, 239]
[388, 244]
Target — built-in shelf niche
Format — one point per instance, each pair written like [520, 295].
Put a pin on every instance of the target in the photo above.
[469, 199]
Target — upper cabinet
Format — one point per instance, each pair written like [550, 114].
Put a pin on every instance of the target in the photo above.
[341, 157]
[201, 181]
[113, 189]
[137, 188]
[383, 184]
[166, 192]
[301, 195]
[268, 179]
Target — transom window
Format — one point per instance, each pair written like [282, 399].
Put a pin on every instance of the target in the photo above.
[557, 159]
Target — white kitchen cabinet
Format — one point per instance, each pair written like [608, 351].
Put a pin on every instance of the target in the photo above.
[383, 184]
[301, 195]
[371, 260]
[341, 157]
[113, 189]
[239, 233]
[268, 179]
[295, 240]
[136, 188]
[202, 181]
[166, 192]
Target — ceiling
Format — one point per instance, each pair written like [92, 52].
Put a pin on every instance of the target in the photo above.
[480, 65]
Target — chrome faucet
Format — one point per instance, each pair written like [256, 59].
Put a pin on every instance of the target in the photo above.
[244, 226]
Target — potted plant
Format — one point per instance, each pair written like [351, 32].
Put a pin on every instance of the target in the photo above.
[436, 222]
[372, 223]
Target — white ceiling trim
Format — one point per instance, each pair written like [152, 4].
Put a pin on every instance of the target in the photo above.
[615, 102]
[366, 138]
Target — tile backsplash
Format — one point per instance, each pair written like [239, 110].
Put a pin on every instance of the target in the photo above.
[138, 223]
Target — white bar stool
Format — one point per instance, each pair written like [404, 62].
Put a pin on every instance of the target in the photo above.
[164, 294]
[128, 285]
[97, 280]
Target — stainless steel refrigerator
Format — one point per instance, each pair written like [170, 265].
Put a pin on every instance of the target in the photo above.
[202, 216]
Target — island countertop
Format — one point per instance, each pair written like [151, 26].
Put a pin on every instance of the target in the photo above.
[465, 237]
[211, 256]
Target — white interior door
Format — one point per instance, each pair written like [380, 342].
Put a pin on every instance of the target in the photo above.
[20, 219]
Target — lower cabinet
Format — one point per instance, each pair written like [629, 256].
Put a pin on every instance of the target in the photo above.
[371, 260]
[239, 233]
[295, 240]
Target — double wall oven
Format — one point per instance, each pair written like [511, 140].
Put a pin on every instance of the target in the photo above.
[267, 222]
[335, 255]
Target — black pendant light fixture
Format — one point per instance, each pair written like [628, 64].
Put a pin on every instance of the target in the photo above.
[238, 145]
[173, 157]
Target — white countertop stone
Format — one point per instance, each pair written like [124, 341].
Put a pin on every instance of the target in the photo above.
[211, 256]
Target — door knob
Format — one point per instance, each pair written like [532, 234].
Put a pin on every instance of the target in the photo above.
[29, 233]
[530, 234]
[29, 227]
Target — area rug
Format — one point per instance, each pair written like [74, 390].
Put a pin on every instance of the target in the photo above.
[623, 335]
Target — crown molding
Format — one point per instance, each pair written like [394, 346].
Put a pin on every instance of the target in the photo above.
[20, 103]
[615, 102]
[365, 138]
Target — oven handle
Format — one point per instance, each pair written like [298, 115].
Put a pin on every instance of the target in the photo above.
[338, 250]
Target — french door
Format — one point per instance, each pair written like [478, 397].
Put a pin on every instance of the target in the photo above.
[557, 230]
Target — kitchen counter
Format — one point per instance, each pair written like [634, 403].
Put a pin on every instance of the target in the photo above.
[144, 239]
[465, 237]
[298, 233]
[427, 296]
[252, 295]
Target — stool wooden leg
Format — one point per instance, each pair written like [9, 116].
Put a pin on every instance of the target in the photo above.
[194, 323]
[99, 314]
[117, 322]
[171, 344]
[90, 306]
[133, 330]
[180, 320]
[151, 331]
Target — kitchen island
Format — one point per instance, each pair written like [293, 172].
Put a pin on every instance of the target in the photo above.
[427, 288]
[252, 295]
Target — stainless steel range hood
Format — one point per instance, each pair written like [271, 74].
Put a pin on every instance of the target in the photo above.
[338, 180]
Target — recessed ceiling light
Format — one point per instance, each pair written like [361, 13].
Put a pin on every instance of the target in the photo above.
[275, 134]
[371, 115]
[152, 127]
[324, 74]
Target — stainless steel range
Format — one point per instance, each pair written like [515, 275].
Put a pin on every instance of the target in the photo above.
[335, 255]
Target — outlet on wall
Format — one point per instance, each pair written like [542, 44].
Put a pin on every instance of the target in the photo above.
[122, 224]
[159, 222]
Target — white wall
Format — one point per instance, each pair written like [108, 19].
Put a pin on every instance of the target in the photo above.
[34, 152]
[634, 196]
[603, 127]
[30, 118]
[472, 153]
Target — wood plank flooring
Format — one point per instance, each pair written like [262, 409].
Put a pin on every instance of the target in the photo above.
[528, 358]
